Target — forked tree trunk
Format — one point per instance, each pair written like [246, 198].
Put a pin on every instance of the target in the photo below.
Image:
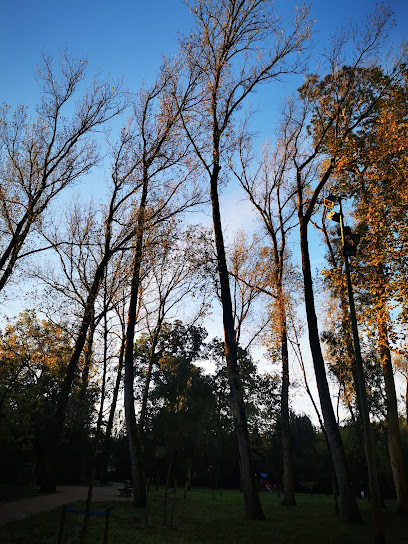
[349, 509]
[48, 480]
[253, 508]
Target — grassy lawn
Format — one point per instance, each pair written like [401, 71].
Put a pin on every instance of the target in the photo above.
[206, 519]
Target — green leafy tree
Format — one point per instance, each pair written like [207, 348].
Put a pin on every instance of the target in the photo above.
[181, 402]
[33, 359]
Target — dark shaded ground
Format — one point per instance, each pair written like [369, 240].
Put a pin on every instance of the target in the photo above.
[19, 502]
[203, 518]
[13, 492]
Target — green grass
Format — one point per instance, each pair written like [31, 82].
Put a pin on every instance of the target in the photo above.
[205, 519]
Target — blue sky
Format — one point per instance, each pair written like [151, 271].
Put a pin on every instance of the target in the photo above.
[128, 38]
[124, 37]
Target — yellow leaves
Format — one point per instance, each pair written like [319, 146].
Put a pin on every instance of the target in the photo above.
[341, 163]
[34, 348]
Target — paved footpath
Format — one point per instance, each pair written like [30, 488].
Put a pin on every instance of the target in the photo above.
[25, 508]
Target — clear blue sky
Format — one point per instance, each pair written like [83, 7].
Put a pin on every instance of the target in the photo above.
[123, 36]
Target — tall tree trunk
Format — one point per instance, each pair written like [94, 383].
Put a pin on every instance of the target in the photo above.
[406, 399]
[133, 432]
[82, 421]
[288, 487]
[348, 341]
[87, 362]
[93, 460]
[48, 481]
[287, 456]
[56, 425]
[376, 501]
[253, 508]
[349, 509]
[394, 440]
[109, 426]
[152, 360]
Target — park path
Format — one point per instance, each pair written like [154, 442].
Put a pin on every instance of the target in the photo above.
[65, 494]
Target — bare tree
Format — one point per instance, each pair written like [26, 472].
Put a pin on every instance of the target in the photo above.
[42, 156]
[229, 57]
[167, 189]
[249, 284]
[270, 192]
[177, 271]
[114, 237]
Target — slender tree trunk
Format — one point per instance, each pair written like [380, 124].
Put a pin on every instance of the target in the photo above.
[133, 432]
[94, 454]
[82, 421]
[109, 426]
[348, 341]
[376, 500]
[288, 487]
[406, 399]
[394, 440]
[253, 508]
[349, 509]
[10, 255]
[152, 360]
[347, 337]
[48, 480]
[287, 457]
[87, 361]
[48, 470]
